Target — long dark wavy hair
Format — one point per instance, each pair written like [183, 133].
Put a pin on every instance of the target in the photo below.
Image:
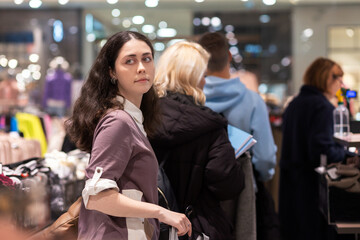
[98, 94]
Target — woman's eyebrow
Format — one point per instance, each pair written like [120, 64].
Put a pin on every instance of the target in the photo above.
[134, 55]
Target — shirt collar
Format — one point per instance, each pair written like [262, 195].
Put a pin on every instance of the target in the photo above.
[131, 109]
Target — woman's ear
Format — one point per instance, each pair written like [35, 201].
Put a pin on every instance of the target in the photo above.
[111, 73]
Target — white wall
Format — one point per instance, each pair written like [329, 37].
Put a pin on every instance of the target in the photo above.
[319, 19]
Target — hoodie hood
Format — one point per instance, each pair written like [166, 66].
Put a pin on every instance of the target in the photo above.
[182, 120]
[223, 94]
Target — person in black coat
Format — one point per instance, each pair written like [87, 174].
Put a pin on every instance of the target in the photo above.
[308, 133]
[192, 139]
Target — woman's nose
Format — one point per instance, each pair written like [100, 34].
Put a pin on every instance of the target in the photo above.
[141, 67]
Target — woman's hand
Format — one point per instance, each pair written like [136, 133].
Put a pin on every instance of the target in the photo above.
[177, 220]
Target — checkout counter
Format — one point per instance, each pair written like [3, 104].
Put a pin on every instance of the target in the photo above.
[341, 208]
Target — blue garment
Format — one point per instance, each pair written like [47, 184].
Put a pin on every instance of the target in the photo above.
[14, 125]
[246, 110]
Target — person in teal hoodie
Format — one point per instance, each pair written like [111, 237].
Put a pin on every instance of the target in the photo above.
[242, 107]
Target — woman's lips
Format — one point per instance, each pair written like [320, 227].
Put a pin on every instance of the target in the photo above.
[142, 80]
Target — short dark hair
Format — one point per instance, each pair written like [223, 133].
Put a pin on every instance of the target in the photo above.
[217, 45]
[98, 94]
[317, 73]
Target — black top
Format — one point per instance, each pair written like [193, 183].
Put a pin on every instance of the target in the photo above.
[308, 131]
[201, 165]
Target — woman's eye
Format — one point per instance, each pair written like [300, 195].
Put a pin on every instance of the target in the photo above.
[129, 61]
[147, 59]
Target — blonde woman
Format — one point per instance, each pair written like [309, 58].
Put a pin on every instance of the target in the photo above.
[192, 139]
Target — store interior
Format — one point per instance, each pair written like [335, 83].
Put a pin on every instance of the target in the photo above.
[274, 40]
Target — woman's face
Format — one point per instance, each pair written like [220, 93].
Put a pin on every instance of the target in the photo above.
[334, 81]
[134, 70]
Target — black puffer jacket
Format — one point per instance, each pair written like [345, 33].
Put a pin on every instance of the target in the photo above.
[200, 163]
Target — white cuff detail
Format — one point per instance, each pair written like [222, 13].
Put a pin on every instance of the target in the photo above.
[96, 184]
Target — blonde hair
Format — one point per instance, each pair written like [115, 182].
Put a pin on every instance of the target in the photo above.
[180, 69]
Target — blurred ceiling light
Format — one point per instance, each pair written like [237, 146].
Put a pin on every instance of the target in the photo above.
[35, 3]
[196, 21]
[199, 1]
[13, 63]
[166, 32]
[308, 32]
[244, 0]
[234, 50]
[237, 58]
[112, 1]
[34, 57]
[269, 2]
[126, 23]
[159, 46]
[36, 75]
[90, 37]
[215, 21]
[286, 61]
[58, 31]
[19, 77]
[275, 68]
[229, 28]
[163, 24]
[26, 73]
[263, 88]
[205, 21]
[11, 71]
[3, 61]
[151, 3]
[233, 41]
[230, 35]
[349, 32]
[73, 30]
[138, 19]
[115, 12]
[34, 67]
[18, 1]
[59, 60]
[264, 18]
[148, 28]
[63, 2]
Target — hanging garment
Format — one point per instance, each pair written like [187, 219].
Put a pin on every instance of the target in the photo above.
[31, 127]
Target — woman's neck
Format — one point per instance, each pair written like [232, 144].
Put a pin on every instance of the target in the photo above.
[332, 99]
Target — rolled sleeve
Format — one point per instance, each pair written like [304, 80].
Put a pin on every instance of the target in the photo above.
[97, 184]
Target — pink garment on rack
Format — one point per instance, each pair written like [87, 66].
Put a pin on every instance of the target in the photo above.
[47, 125]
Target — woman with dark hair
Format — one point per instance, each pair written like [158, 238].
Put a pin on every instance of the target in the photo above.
[308, 133]
[115, 112]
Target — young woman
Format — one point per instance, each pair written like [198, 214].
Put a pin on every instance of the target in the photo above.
[192, 139]
[112, 118]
